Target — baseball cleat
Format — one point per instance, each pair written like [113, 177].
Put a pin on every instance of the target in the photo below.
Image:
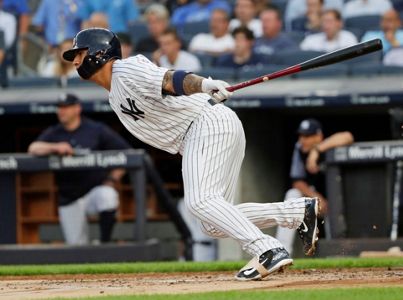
[267, 263]
[308, 230]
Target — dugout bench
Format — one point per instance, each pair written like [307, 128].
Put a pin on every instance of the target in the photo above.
[139, 166]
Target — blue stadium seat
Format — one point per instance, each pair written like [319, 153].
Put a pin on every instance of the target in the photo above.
[337, 70]
[296, 36]
[390, 70]
[292, 57]
[32, 82]
[250, 72]
[77, 81]
[358, 32]
[137, 31]
[281, 4]
[218, 73]
[370, 22]
[365, 69]
[206, 60]
[193, 28]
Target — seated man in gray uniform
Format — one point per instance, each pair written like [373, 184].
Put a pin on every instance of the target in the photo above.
[82, 193]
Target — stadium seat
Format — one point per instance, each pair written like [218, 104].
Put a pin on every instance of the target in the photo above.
[218, 73]
[390, 70]
[32, 82]
[193, 28]
[250, 72]
[365, 69]
[292, 57]
[281, 4]
[76, 81]
[137, 31]
[336, 70]
[370, 22]
[358, 32]
[296, 36]
[206, 60]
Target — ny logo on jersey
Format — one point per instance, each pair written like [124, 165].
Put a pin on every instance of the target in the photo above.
[133, 111]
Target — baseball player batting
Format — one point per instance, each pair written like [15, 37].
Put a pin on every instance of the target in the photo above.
[177, 111]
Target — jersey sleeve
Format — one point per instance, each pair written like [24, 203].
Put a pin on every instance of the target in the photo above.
[297, 171]
[140, 72]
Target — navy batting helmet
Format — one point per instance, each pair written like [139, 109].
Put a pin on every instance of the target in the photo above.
[102, 45]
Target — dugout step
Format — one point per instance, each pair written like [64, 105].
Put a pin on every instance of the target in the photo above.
[354, 246]
[148, 250]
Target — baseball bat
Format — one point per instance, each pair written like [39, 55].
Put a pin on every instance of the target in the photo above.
[316, 62]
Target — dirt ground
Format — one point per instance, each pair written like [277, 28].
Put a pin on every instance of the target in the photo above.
[43, 287]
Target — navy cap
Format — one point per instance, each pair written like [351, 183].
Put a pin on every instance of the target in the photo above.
[309, 127]
[67, 99]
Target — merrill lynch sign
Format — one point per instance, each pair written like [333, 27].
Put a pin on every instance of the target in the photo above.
[368, 152]
[89, 160]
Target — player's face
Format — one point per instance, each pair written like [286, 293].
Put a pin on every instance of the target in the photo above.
[307, 142]
[79, 58]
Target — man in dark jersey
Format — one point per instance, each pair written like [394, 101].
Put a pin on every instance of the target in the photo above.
[82, 193]
[307, 180]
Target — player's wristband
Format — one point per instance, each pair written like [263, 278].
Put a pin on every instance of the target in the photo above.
[177, 81]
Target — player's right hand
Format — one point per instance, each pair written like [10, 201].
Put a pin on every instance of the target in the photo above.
[216, 89]
[63, 148]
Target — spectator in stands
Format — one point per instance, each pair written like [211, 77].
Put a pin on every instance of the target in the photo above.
[171, 56]
[2, 47]
[298, 8]
[120, 12]
[57, 66]
[197, 11]
[306, 176]
[20, 9]
[394, 57]
[243, 53]
[390, 33]
[3, 70]
[311, 21]
[218, 41]
[58, 20]
[126, 44]
[245, 15]
[332, 37]
[273, 39]
[356, 8]
[8, 24]
[157, 18]
[82, 192]
[97, 19]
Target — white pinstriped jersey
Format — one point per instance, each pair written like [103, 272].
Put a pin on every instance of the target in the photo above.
[136, 97]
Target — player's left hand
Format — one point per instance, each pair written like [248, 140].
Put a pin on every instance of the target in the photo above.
[216, 89]
[312, 161]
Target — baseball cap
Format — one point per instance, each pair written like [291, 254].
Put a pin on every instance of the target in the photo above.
[67, 99]
[309, 127]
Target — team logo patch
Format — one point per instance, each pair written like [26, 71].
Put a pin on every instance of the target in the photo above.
[134, 112]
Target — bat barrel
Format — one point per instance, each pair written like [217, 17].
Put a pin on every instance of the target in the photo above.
[320, 61]
[343, 54]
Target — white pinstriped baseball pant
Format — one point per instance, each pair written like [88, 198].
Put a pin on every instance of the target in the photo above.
[213, 150]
